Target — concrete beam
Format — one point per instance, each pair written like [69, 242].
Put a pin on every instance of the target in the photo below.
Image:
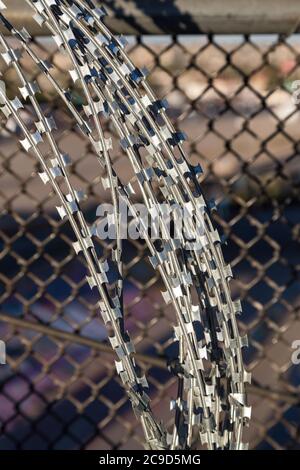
[185, 16]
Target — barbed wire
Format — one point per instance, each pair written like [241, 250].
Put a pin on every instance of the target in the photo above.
[211, 401]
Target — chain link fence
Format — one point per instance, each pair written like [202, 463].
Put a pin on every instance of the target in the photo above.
[232, 95]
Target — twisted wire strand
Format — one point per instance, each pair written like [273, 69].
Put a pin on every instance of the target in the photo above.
[211, 393]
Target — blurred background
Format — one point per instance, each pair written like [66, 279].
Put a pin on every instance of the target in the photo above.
[227, 70]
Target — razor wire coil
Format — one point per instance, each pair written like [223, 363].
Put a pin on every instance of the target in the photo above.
[211, 399]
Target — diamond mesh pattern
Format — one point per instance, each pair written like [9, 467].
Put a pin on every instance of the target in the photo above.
[232, 96]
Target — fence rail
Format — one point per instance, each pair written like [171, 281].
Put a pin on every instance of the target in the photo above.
[185, 16]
